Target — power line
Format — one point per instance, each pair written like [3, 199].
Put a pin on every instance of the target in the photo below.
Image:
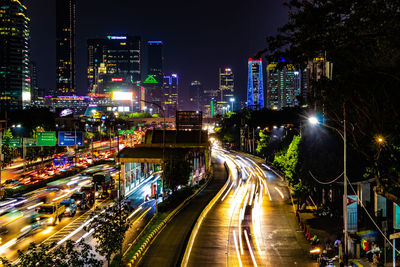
[334, 180]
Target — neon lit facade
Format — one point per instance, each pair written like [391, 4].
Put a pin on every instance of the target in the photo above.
[255, 88]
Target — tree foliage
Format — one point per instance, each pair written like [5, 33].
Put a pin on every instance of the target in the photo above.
[68, 255]
[110, 226]
[360, 38]
[263, 142]
[176, 172]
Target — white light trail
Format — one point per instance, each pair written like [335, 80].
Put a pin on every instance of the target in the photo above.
[237, 249]
[280, 192]
[34, 206]
[250, 249]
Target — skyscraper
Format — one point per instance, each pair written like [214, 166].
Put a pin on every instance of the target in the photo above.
[33, 80]
[14, 56]
[65, 47]
[255, 87]
[284, 86]
[155, 60]
[170, 94]
[114, 63]
[195, 96]
[226, 87]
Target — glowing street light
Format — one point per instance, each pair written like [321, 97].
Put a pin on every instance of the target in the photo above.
[313, 120]
[232, 100]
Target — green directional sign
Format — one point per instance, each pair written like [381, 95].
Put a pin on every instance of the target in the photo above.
[121, 132]
[29, 142]
[130, 131]
[13, 142]
[133, 127]
[150, 79]
[46, 138]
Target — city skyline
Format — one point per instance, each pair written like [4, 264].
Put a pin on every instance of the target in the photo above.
[181, 49]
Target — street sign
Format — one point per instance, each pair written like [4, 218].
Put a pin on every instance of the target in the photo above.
[46, 138]
[70, 138]
[130, 131]
[29, 142]
[394, 236]
[352, 212]
[121, 132]
[13, 142]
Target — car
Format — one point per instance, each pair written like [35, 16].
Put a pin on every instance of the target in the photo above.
[70, 207]
[80, 199]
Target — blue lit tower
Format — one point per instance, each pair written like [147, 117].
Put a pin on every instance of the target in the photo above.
[255, 88]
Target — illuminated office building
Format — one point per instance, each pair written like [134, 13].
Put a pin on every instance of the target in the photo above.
[226, 89]
[170, 94]
[155, 60]
[255, 87]
[114, 63]
[195, 96]
[65, 47]
[284, 86]
[15, 81]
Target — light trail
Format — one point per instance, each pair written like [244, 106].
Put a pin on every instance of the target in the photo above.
[60, 197]
[222, 199]
[280, 192]
[7, 245]
[250, 249]
[133, 213]
[237, 249]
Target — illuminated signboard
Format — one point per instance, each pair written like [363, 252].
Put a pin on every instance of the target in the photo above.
[117, 79]
[66, 112]
[116, 37]
[150, 79]
[116, 95]
[26, 96]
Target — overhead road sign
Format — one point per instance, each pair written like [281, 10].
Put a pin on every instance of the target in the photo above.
[46, 138]
[70, 138]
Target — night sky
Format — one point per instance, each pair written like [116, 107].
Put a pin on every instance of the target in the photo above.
[199, 36]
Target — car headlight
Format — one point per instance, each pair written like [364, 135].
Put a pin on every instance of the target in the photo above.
[50, 220]
[68, 209]
[78, 202]
[96, 194]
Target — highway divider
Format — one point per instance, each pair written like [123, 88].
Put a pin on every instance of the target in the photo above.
[149, 238]
[202, 216]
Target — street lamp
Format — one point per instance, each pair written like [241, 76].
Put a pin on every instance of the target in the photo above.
[314, 121]
[232, 100]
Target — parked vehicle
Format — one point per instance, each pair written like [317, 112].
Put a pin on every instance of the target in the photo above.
[90, 191]
[70, 207]
[50, 212]
[80, 199]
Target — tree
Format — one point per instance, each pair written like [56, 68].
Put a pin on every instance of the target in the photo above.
[68, 255]
[176, 172]
[110, 227]
[361, 38]
[263, 143]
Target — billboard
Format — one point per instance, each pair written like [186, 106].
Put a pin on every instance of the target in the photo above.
[122, 96]
[70, 138]
[352, 213]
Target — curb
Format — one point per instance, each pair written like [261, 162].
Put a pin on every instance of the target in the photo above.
[153, 235]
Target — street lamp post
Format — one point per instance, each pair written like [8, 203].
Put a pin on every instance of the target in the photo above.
[315, 121]
[163, 151]
[232, 100]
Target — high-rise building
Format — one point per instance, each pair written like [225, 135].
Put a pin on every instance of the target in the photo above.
[195, 96]
[317, 68]
[170, 94]
[255, 86]
[226, 89]
[14, 56]
[33, 79]
[284, 86]
[65, 47]
[210, 99]
[155, 60]
[114, 63]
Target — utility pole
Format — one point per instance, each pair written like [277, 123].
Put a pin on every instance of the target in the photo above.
[345, 180]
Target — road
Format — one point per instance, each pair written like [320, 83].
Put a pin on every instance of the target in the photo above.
[252, 223]
[69, 227]
[170, 243]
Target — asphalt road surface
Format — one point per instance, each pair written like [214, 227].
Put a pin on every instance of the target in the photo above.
[170, 244]
[253, 222]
